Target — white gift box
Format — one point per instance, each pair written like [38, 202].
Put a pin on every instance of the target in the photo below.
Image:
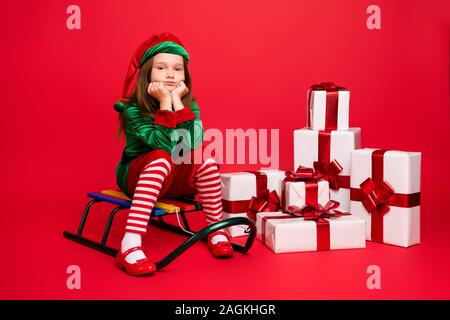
[295, 193]
[241, 186]
[297, 235]
[341, 143]
[401, 170]
[317, 108]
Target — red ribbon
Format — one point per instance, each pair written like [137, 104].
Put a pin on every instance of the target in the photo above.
[307, 175]
[267, 201]
[327, 86]
[324, 147]
[235, 206]
[303, 174]
[377, 195]
[261, 182]
[329, 169]
[316, 213]
[331, 115]
[330, 173]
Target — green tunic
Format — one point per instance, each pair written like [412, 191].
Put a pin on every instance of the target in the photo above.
[144, 134]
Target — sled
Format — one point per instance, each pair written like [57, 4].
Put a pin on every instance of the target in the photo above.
[162, 208]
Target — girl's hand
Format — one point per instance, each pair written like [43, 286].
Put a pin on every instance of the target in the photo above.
[180, 91]
[159, 91]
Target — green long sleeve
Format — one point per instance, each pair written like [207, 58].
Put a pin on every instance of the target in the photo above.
[157, 133]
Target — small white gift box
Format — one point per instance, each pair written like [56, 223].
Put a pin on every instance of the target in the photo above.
[238, 188]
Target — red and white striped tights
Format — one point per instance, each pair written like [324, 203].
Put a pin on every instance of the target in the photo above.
[207, 181]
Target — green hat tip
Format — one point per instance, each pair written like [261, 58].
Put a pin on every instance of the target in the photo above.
[119, 106]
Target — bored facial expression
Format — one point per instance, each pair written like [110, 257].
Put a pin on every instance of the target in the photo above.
[169, 69]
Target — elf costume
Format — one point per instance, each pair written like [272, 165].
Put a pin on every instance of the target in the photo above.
[145, 134]
[146, 171]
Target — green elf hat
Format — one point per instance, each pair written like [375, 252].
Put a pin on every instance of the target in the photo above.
[163, 42]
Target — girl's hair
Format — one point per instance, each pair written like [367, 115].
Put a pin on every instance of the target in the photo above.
[147, 104]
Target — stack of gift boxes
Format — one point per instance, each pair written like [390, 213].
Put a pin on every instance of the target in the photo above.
[338, 195]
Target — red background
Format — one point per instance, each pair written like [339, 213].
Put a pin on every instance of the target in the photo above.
[252, 63]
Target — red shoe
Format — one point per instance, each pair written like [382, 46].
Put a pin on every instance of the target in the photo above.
[140, 267]
[221, 248]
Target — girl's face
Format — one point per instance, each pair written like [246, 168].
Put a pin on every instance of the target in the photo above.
[167, 68]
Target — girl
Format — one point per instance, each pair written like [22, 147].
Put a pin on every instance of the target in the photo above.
[153, 107]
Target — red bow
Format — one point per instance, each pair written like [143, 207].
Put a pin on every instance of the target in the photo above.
[327, 86]
[330, 172]
[317, 212]
[267, 201]
[302, 174]
[376, 196]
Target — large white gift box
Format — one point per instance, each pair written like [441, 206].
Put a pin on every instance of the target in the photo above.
[238, 188]
[385, 192]
[284, 233]
[328, 110]
[325, 147]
